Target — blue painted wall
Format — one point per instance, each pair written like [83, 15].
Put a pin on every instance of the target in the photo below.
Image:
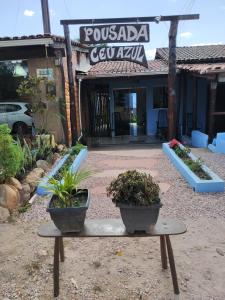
[151, 114]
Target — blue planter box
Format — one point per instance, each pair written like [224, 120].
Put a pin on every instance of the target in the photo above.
[41, 190]
[216, 184]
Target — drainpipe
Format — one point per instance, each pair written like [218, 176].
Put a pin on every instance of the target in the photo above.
[79, 100]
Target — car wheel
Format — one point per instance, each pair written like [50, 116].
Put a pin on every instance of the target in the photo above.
[20, 128]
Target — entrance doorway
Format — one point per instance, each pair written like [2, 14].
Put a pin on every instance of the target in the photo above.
[220, 108]
[130, 112]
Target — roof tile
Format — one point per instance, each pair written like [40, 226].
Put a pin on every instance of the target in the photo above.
[195, 54]
[127, 67]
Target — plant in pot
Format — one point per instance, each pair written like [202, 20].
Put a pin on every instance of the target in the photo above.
[69, 203]
[137, 196]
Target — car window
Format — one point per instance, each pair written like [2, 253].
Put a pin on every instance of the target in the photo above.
[2, 108]
[12, 107]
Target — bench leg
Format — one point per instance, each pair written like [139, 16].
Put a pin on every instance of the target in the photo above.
[172, 266]
[163, 251]
[56, 267]
[61, 249]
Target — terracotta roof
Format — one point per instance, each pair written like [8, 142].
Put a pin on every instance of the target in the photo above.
[194, 54]
[123, 68]
[55, 38]
[203, 68]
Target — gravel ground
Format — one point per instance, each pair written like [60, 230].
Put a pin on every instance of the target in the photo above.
[120, 268]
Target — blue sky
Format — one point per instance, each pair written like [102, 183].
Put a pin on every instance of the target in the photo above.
[23, 17]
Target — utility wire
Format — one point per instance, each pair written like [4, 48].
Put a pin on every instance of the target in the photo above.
[67, 9]
[17, 15]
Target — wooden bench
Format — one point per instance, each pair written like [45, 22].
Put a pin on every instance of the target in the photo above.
[114, 228]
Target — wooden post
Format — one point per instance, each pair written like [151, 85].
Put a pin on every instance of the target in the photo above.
[45, 17]
[172, 101]
[71, 80]
[212, 106]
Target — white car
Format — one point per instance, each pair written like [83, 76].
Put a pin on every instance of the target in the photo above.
[18, 116]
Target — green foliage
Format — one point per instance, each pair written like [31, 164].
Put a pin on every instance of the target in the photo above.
[75, 150]
[182, 153]
[134, 188]
[67, 188]
[29, 155]
[44, 147]
[11, 156]
[194, 165]
[42, 92]
[24, 208]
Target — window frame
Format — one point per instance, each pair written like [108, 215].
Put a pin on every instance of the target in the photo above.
[159, 86]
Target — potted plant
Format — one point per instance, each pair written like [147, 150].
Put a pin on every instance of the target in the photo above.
[69, 203]
[137, 196]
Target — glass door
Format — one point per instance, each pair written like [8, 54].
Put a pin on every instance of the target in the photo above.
[130, 112]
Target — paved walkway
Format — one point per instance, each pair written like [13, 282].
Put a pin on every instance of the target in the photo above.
[108, 163]
[123, 269]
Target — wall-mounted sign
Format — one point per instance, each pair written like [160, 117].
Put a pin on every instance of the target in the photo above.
[115, 33]
[131, 53]
[45, 73]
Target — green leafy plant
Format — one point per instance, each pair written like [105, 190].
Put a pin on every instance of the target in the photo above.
[42, 93]
[73, 152]
[11, 156]
[76, 149]
[194, 165]
[67, 189]
[182, 153]
[44, 147]
[134, 188]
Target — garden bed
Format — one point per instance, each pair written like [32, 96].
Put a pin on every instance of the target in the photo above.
[205, 181]
[67, 162]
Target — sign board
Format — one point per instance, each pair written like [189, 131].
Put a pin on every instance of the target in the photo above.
[114, 33]
[131, 53]
[45, 73]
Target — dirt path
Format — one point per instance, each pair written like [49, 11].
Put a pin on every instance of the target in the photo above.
[122, 268]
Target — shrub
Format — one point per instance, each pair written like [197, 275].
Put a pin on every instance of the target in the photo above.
[76, 149]
[134, 188]
[11, 156]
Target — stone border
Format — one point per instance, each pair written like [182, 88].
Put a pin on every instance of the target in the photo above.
[216, 184]
[41, 190]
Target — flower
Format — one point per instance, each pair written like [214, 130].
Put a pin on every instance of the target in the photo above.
[174, 143]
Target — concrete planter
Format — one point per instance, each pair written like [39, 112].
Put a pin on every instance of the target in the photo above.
[41, 190]
[216, 184]
[69, 219]
[139, 218]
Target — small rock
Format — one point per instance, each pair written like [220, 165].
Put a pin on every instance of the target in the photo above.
[9, 196]
[25, 193]
[60, 147]
[4, 214]
[220, 252]
[33, 178]
[15, 182]
[42, 253]
[43, 164]
[56, 156]
[74, 283]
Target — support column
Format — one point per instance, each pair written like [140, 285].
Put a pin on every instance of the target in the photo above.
[194, 103]
[172, 101]
[212, 107]
[71, 79]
